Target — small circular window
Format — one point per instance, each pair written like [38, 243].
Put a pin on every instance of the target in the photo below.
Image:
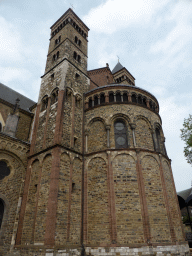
[119, 126]
[4, 170]
[120, 134]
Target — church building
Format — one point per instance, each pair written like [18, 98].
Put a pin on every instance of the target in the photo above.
[84, 171]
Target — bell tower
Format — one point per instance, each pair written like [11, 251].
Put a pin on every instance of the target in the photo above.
[51, 208]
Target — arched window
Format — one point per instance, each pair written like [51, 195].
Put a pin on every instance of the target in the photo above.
[79, 58]
[120, 134]
[134, 98]
[125, 97]
[54, 57]
[140, 99]
[4, 170]
[111, 97]
[1, 211]
[95, 100]
[151, 104]
[57, 55]
[1, 127]
[118, 97]
[79, 42]
[54, 96]
[157, 133]
[44, 103]
[76, 40]
[102, 98]
[144, 102]
[90, 102]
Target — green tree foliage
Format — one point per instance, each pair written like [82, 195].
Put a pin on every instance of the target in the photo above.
[186, 135]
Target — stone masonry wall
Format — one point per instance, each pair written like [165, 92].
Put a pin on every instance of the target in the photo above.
[63, 200]
[97, 139]
[158, 219]
[173, 201]
[28, 225]
[128, 208]
[42, 202]
[98, 213]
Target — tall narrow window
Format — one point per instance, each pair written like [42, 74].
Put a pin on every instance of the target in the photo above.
[95, 100]
[1, 128]
[102, 98]
[90, 102]
[1, 211]
[140, 99]
[134, 98]
[125, 97]
[111, 97]
[118, 97]
[157, 132]
[120, 134]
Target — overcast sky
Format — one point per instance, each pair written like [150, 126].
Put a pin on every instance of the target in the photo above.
[152, 39]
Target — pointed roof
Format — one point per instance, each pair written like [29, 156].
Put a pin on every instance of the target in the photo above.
[117, 68]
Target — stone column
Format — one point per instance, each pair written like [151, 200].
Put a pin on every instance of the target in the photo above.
[114, 97]
[147, 100]
[121, 97]
[86, 105]
[108, 127]
[107, 98]
[98, 100]
[129, 97]
[133, 126]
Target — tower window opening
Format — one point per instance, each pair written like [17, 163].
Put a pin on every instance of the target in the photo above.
[90, 102]
[77, 76]
[57, 55]
[79, 58]
[102, 98]
[151, 105]
[111, 97]
[54, 57]
[1, 211]
[118, 97]
[52, 77]
[95, 100]
[134, 98]
[76, 40]
[125, 97]
[75, 55]
[1, 127]
[79, 42]
[120, 134]
[140, 99]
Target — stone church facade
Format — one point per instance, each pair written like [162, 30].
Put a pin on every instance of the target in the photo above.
[84, 171]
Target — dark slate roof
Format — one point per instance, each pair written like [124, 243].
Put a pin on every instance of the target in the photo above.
[117, 68]
[185, 193]
[9, 95]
